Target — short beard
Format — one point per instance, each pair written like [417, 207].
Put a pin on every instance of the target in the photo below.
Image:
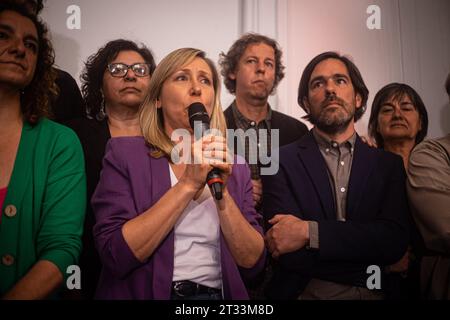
[332, 124]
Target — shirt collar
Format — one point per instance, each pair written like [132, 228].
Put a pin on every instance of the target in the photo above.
[325, 142]
[245, 123]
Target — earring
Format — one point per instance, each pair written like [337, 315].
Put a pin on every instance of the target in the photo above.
[88, 113]
[101, 115]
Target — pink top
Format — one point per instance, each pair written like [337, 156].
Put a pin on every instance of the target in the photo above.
[2, 199]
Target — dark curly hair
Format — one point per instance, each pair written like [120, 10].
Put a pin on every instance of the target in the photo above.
[34, 7]
[37, 95]
[95, 66]
[229, 62]
[396, 91]
[353, 72]
[38, 5]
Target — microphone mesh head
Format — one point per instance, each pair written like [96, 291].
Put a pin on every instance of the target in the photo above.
[197, 112]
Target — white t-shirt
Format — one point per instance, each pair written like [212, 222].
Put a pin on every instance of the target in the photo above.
[197, 243]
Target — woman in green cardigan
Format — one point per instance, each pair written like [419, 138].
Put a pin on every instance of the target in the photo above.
[42, 181]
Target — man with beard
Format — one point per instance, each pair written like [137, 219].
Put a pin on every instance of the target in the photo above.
[252, 69]
[337, 208]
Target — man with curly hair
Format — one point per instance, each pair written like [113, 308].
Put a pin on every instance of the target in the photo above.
[252, 69]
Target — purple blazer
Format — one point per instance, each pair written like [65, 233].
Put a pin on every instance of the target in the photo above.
[131, 182]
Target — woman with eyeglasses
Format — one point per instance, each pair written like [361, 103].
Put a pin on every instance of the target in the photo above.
[159, 231]
[114, 84]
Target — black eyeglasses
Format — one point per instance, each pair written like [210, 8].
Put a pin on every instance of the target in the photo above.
[120, 69]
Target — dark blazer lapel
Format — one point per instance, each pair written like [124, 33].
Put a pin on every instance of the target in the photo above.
[362, 165]
[103, 136]
[229, 117]
[102, 130]
[316, 168]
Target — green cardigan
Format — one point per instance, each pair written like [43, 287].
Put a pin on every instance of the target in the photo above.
[48, 192]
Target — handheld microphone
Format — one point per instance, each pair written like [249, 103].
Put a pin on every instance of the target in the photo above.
[199, 116]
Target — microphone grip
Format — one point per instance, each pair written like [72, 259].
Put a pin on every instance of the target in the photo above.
[215, 182]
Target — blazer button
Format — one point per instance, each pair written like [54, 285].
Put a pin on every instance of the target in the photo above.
[10, 210]
[7, 260]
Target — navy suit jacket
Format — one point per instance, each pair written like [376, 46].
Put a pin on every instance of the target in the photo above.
[376, 228]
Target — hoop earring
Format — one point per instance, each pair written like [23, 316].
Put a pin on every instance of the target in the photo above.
[101, 115]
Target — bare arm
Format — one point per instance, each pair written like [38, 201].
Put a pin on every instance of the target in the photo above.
[145, 232]
[42, 279]
[245, 243]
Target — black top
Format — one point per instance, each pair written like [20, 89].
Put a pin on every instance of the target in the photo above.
[69, 103]
[93, 135]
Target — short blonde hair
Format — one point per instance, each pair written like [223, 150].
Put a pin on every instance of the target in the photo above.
[151, 118]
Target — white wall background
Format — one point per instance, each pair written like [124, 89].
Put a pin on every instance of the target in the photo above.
[413, 45]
